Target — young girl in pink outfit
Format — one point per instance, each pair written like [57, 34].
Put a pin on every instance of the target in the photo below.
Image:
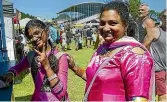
[49, 71]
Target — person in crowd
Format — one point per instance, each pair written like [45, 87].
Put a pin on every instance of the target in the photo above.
[53, 35]
[19, 56]
[121, 68]
[94, 36]
[62, 26]
[144, 22]
[73, 31]
[156, 43]
[68, 36]
[78, 41]
[85, 36]
[49, 72]
[23, 39]
[64, 40]
[89, 37]
[99, 41]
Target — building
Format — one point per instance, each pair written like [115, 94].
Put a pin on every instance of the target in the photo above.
[80, 13]
[6, 31]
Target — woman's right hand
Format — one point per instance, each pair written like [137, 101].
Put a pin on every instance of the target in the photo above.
[8, 77]
[71, 62]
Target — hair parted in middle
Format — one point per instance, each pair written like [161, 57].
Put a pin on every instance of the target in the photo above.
[35, 24]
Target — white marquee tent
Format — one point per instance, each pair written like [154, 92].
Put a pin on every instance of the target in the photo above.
[23, 22]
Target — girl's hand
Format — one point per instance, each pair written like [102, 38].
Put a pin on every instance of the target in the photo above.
[8, 77]
[42, 58]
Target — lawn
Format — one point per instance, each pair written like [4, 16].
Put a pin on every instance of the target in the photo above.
[76, 85]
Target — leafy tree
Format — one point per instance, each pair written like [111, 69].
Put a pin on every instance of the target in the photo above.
[23, 15]
[53, 18]
[134, 7]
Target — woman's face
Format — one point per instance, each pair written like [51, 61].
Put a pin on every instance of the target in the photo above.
[37, 37]
[111, 26]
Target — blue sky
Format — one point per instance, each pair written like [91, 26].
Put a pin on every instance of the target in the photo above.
[48, 8]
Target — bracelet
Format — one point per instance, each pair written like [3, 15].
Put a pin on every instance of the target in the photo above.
[139, 99]
[11, 73]
[79, 72]
[52, 77]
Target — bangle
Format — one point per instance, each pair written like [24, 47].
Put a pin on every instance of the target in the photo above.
[11, 73]
[52, 77]
[139, 99]
[79, 72]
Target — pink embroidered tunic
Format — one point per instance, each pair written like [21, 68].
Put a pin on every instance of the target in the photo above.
[126, 75]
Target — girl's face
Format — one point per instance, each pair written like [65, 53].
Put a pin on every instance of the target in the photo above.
[37, 37]
[111, 26]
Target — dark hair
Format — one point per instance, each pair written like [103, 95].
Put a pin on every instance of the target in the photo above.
[121, 8]
[53, 62]
[34, 24]
[162, 13]
[132, 29]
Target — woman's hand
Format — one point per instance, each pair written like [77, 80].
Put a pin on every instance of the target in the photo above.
[42, 58]
[71, 63]
[76, 69]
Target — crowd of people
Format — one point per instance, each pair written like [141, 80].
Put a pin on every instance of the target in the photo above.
[128, 64]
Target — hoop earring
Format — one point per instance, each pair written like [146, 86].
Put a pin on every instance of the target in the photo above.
[126, 30]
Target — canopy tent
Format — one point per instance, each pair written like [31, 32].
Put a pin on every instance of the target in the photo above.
[23, 23]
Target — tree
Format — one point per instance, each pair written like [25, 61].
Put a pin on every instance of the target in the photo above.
[134, 7]
[23, 15]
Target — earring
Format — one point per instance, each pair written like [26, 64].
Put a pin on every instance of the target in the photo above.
[126, 30]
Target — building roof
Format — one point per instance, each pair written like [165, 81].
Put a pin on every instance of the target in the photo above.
[80, 11]
[79, 7]
[7, 8]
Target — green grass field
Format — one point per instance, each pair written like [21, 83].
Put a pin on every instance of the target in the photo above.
[76, 86]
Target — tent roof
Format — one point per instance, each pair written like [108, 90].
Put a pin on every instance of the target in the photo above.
[77, 7]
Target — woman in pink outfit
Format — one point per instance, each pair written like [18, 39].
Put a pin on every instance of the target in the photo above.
[49, 71]
[121, 68]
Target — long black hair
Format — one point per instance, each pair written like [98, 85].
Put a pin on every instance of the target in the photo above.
[34, 23]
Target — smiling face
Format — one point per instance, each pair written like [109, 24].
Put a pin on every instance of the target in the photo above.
[37, 37]
[111, 26]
